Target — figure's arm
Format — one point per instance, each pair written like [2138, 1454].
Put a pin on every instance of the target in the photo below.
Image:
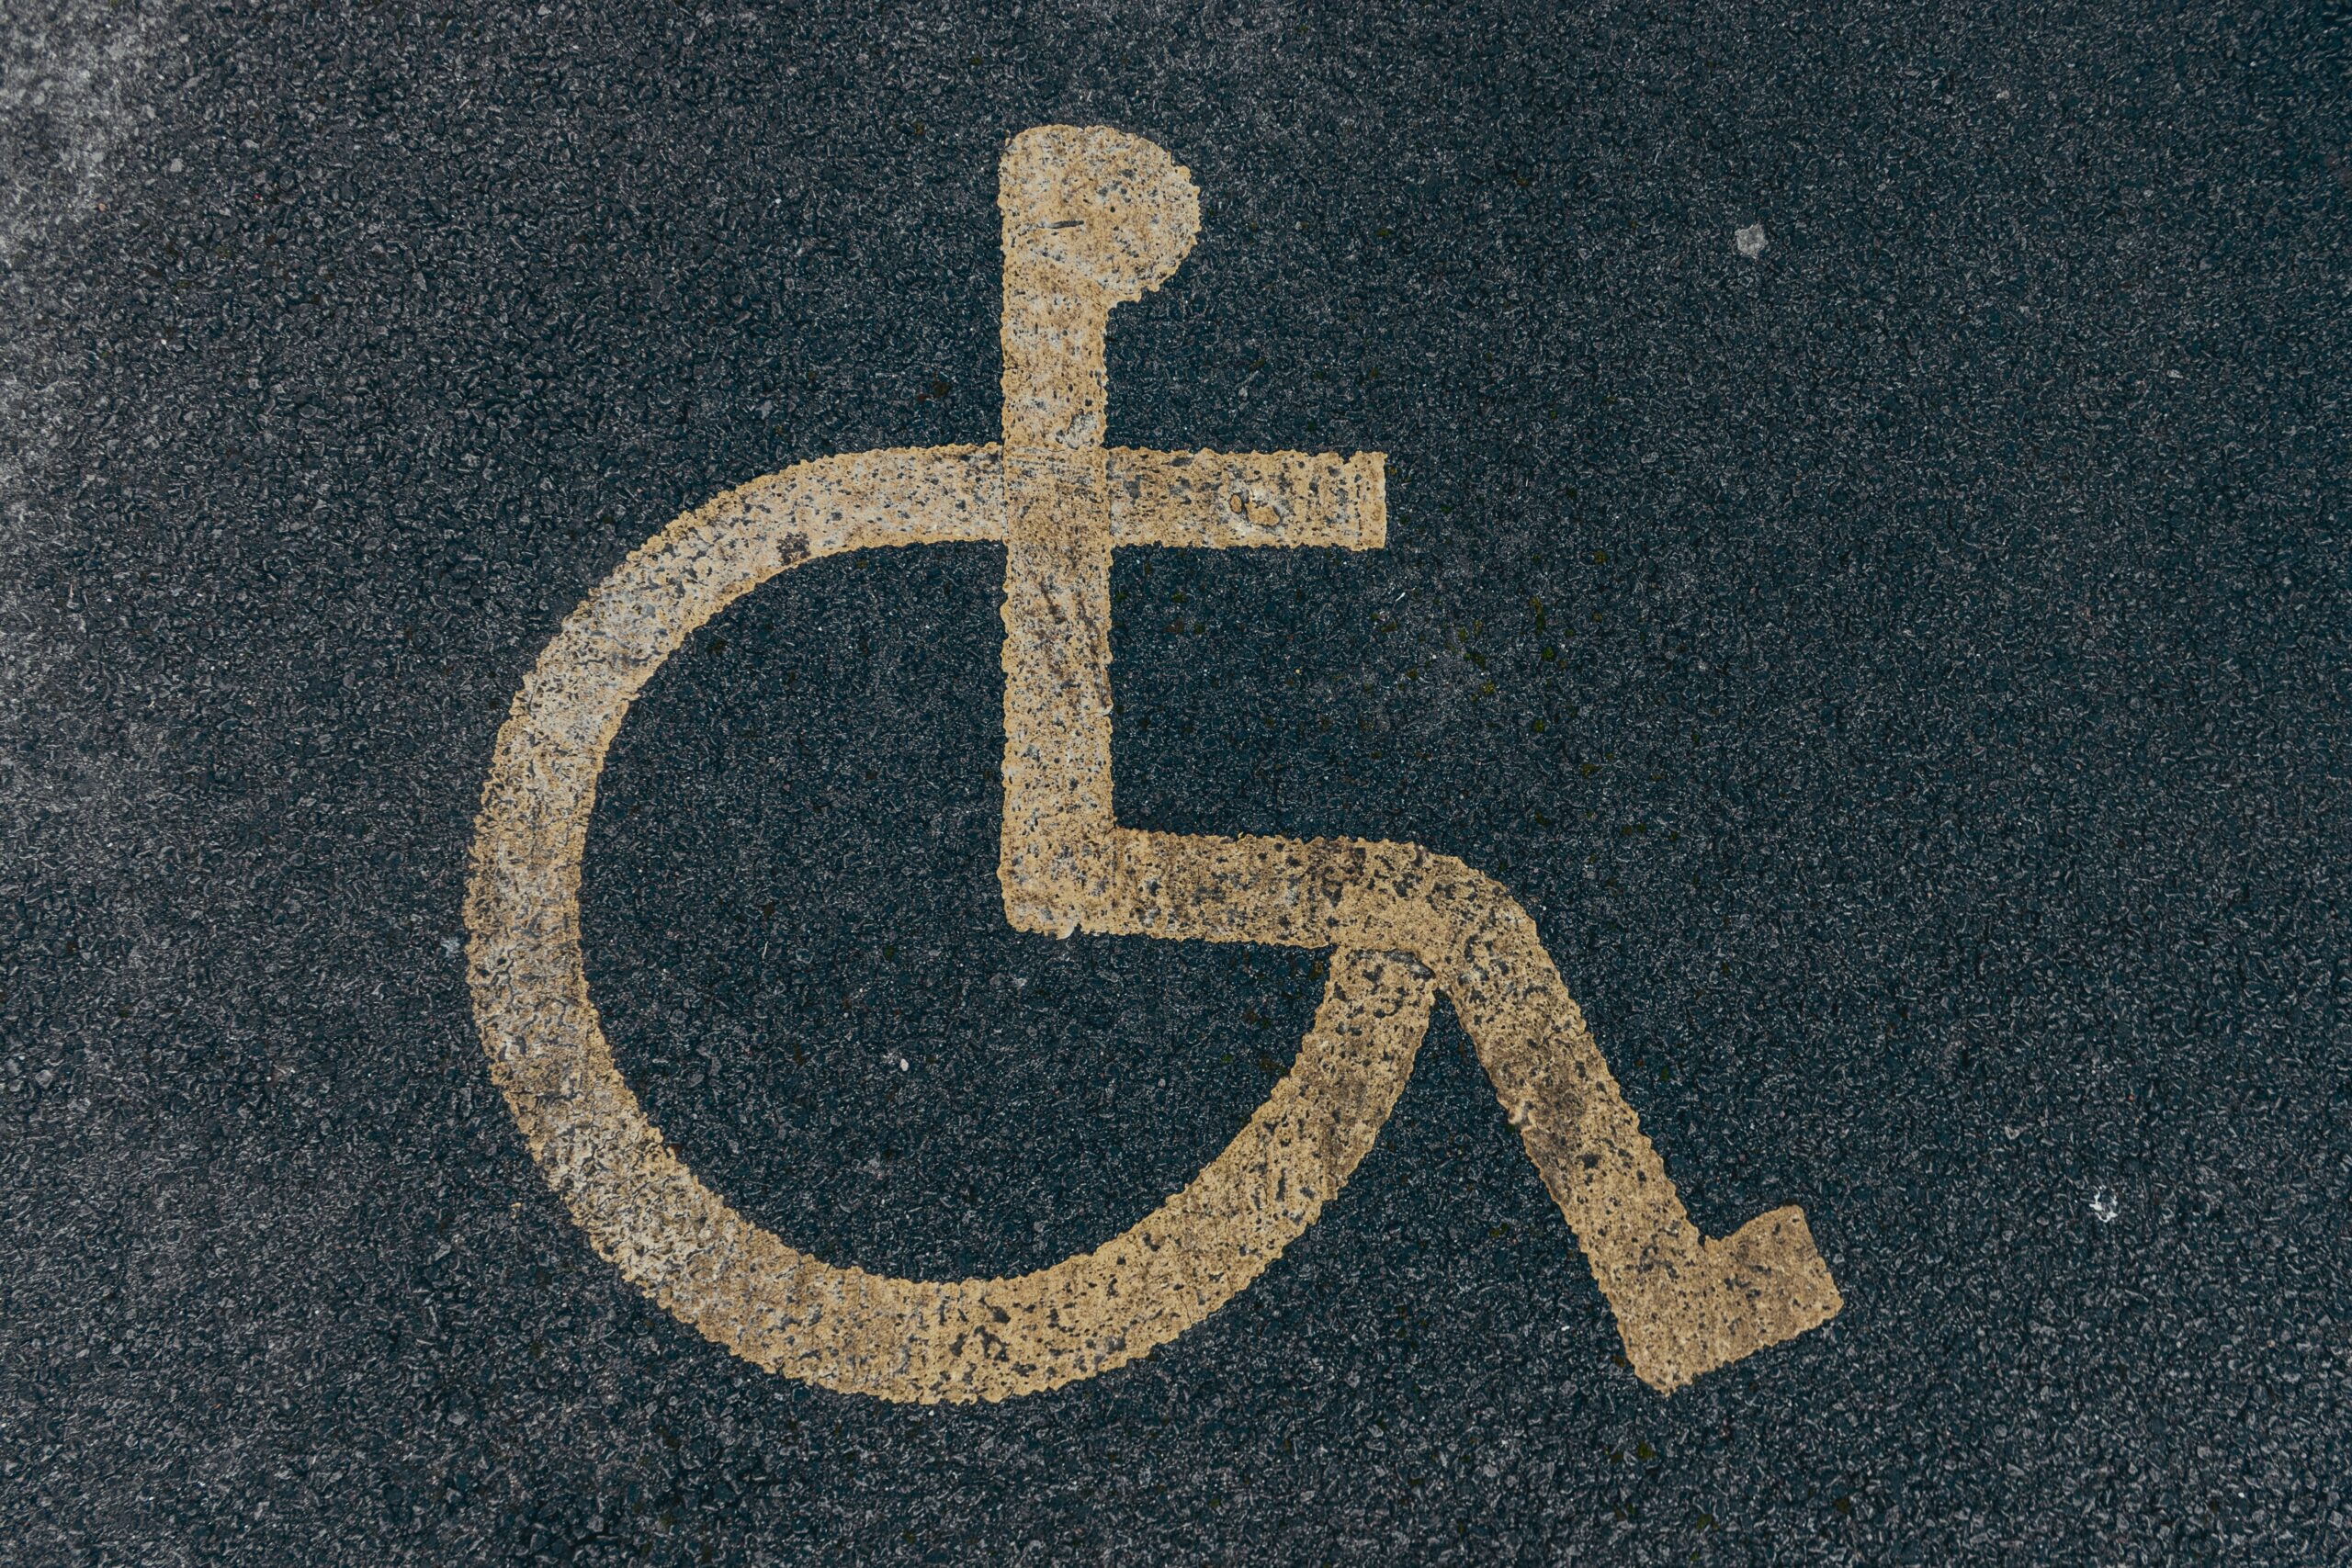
[1220, 499]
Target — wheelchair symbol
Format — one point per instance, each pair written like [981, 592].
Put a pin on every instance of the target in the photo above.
[1092, 218]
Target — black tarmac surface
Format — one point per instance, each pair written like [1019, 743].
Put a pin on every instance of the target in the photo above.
[1903, 671]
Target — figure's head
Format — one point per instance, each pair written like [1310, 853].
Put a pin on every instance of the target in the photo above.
[1107, 208]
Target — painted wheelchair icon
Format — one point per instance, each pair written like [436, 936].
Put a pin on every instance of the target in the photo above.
[1092, 218]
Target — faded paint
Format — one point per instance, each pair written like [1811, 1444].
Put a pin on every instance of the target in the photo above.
[1092, 219]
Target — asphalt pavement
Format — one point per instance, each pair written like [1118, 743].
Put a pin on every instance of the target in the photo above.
[1867, 569]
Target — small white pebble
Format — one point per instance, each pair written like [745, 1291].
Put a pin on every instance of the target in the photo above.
[2104, 1206]
[1751, 241]
[449, 946]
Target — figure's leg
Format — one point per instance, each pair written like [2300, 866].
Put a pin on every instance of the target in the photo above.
[1684, 1304]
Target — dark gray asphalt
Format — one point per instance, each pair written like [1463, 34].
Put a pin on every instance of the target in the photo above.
[1903, 672]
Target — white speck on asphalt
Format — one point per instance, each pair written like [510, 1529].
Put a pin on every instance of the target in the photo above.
[2104, 1206]
[449, 946]
[1751, 241]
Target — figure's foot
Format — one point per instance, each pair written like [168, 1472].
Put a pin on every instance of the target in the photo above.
[1762, 1284]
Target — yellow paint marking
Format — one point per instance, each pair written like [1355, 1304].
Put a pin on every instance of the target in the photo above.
[1092, 218]
[1219, 500]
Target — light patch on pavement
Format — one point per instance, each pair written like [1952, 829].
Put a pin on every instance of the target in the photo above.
[1751, 241]
[75, 78]
[62, 82]
[1092, 218]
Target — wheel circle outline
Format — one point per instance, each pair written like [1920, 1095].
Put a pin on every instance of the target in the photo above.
[722, 1274]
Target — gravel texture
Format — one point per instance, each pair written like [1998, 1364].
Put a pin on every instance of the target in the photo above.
[1869, 570]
